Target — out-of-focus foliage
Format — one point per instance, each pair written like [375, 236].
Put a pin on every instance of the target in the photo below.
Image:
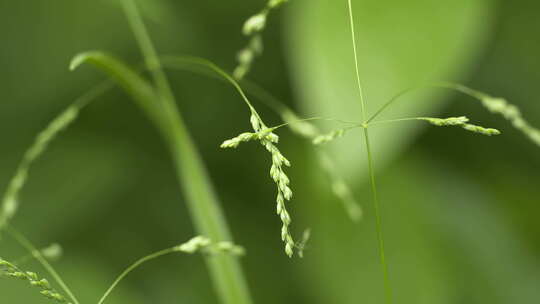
[460, 210]
[401, 44]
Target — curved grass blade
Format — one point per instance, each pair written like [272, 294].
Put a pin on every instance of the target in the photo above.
[202, 202]
[128, 79]
[206, 212]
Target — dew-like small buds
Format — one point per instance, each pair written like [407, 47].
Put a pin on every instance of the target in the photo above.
[11, 271]
[460, 121]
[204, 244]
[43, 283]
[450, 121]
[481, 130]
[53, 296]
[4, 263]
[228, 247]
[513, 114]
[52, 252]
[254, 24]
[194, 244]
[265, 134]
[253, 28]
[325, 138]
[276, 3]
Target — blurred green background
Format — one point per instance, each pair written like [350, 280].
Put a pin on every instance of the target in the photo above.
[460, 211]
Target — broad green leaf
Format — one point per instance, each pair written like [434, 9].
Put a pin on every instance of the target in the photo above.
[400, 44]
[139, 89]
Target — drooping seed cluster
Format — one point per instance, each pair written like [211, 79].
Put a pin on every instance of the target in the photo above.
[340, 188]
[10, 201]
[268, 139]
[9, 270]
[460, 121]
[204, 244]
[511, 113]
[253, 28]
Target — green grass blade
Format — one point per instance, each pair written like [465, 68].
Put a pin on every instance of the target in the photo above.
[205, 208]
[202, 202]
[128, 79]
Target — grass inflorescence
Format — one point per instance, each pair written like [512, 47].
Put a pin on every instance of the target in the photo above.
[268, 140]
[253, 28]
[156, 100]
[10, 270]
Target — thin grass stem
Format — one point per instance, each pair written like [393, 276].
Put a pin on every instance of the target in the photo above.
[134, 266]
[378, 220]
[382, 256]
[206, 212]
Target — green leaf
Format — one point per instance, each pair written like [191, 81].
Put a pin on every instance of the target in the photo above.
[400, 44]
[138, 88]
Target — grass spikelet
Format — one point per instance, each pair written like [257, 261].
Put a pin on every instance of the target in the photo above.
[268, 139]
[247, 136]
[206, 245]
[10, 202]
[252, 28]
[340, 188]
[511, 113]
[462, 122]
[326, 138]
[450, 121]
[10, 270]
[52, 252]
[481, 130]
